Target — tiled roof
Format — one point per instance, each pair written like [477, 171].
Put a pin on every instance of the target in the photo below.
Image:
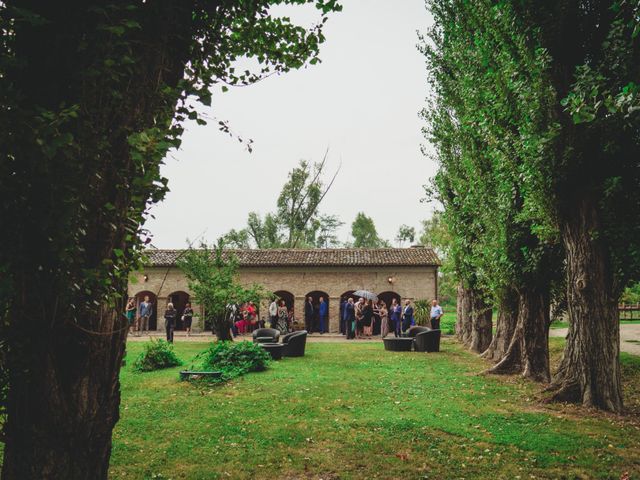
[357, 257]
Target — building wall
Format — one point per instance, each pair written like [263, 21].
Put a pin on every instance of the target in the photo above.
[409, 282]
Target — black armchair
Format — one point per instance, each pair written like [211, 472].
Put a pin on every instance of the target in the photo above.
[416, 329]
[266, 332]
[427, 341]
[295, 343]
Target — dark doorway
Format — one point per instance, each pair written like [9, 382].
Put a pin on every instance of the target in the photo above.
[315, 322]
[387, 298]
[288, 297]
[179, 300]
[153, 319]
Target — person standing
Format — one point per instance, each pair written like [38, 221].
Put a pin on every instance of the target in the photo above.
[436, 315]
[144, 313]
[367, 318]
[358, 312]
[350, 319]
[308, 315]
[323, 312]
[407, 316]
[395, 311]
[343, 315]
[283, 318]
[384, 320]
[187, 318]
[130, 313]
[170, 321]
[273, 313]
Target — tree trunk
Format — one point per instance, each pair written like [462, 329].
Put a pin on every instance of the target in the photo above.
[481, 324]
[63, 402]
[463, 315]
[506, 325]
[589, 372]
[528, 351]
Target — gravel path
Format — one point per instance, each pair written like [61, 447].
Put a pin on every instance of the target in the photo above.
[629, 337]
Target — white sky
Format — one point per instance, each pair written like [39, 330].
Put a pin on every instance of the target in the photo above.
[362, 102]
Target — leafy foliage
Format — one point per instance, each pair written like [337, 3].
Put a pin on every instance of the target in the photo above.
[405, 234]
[234, 359]
[297, 222]
[212, 274]
[156, 355]
[364, 233]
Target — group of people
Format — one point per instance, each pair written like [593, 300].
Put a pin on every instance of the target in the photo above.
[280, 317]
[358, 318]
[138, 317]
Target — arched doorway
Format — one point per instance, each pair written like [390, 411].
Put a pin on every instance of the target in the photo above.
[179, 300]
[288, 297]
[153, 319]
[387, 298]
[315, 321]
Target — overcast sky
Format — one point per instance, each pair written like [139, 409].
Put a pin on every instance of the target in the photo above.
[362, 103]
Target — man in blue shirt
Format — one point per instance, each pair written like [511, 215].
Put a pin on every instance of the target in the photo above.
[436, 314]
[323, 312]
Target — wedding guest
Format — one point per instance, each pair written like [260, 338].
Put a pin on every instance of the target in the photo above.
[187, 318]
[323, 312]
[145, 311]
[436, 315]
[308, 315]
[395, 312]
[407, 316]
[384, 319]
[170, 321]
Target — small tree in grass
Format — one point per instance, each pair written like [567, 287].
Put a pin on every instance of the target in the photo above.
[212, 274]
[157, 354]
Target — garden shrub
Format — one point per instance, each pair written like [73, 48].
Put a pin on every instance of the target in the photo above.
[157, 354]
[234, 359]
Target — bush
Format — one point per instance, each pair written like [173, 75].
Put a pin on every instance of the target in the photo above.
[422, 312]
[157, 354]
[234, 359]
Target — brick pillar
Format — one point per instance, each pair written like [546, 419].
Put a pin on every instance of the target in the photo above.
[334, 314]
[197, 325]
[298, 311]
[161, 307]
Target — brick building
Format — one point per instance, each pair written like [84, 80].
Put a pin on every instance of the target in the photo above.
[296, 274]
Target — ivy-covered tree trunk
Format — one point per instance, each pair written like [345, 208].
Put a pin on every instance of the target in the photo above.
[528, 351]
[481, 324]
[63, 402]
[589, 372]
[506, 325]
[464, 324]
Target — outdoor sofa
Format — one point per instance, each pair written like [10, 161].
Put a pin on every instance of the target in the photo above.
[295, 343]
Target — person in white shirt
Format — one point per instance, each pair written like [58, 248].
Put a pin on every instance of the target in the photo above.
[436, 314]
[273, 313]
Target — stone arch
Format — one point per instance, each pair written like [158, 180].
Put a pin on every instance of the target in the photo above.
[139, 297]
[316, 294]
[288, 297]
[179, 299]
[388, 296]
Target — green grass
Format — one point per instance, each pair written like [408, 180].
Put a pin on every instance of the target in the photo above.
[353, 410]
[559, 324]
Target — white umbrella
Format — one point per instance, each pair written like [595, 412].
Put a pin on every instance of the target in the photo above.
[366, 295]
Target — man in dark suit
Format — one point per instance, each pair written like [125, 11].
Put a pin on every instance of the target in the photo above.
[308, 315]
[407, 316]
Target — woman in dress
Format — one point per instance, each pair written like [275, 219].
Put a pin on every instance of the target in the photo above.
[130, 312]
[384, 316]
[282, 323]
[187, 318]
[367, 318]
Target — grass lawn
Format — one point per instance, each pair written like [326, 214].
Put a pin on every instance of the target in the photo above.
[559, 324]
[352, 410]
